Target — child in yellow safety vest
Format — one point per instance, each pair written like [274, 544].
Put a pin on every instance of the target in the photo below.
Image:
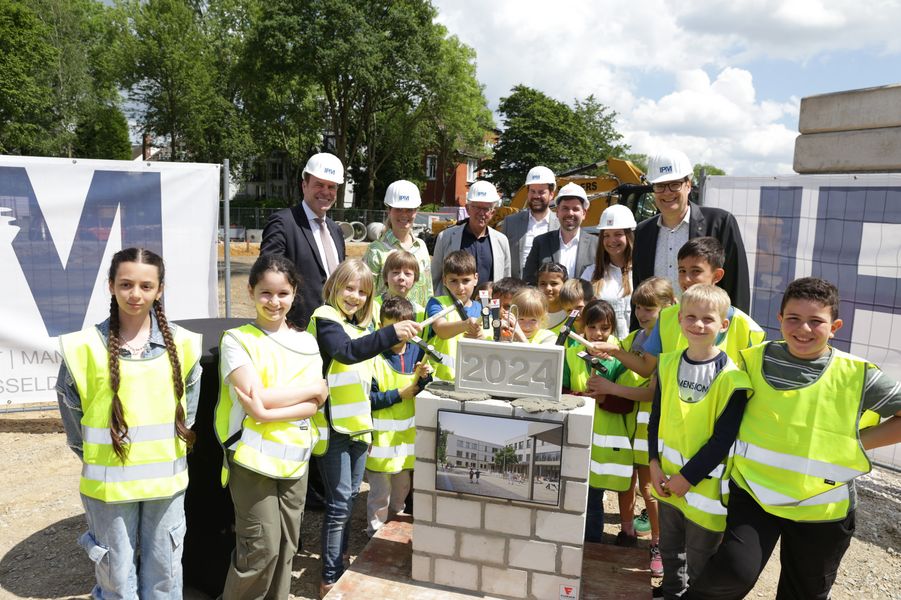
[653, 295]
[129, 422]
[460, 277]
[697, 407]
[531, 317]
[398, 375]
[701, 261]
[611, 450]
[271, 387]
[802, 441]
[347, 344]
[400, 273]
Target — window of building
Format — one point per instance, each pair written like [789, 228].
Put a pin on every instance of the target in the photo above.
[472, 168]
[431, 167]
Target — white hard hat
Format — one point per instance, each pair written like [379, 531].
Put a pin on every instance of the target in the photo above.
[483, 191]
[325, 166]
[540, 175]
[572, 190]
[668, 165]
[402, 194]
[617, 216]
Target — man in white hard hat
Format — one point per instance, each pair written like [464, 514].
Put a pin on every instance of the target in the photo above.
[523, 227]
[490, 247]
[569, 246]
[659, 238]
[305, 235]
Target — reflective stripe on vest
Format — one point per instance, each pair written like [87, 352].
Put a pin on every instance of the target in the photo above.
[447, 347]
[154, 466]
[684, 429]
[637, 420]
[393, 441]
[743, 333]
[278, 449]
[795, 458]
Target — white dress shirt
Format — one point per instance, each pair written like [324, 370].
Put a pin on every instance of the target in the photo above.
[669, 241]
[569, 253]
[534, 229]
[612, 292]
[314, 226]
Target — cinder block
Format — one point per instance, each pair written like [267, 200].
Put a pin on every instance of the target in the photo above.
[422, 568]
[533, 555]
[578, 431]
[868, 108]
[427, 407]
[862, 151]
[489, 407]
[458, 513]
[574, 462]
[482, 548]
[425, 445]
[456, 574]
[582, 418]
[571, 561]
[433, 540]
[575, 496]
[560, 527]
[423, 507]
[548, 586]
[506, 582]
[424, 477]
[508, 519]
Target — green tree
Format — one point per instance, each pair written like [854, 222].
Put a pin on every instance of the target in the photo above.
[103, 133]
[639, 160]
[26, 59]
[708, 169]
[505, 457]
[598, 131]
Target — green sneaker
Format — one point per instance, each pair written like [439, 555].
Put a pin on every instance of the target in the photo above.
[642, 523]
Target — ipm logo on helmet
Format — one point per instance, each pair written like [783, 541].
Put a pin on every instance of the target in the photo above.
[481, 193]
[535, 176]
[329, 171]
[403, 198]
[666, 169]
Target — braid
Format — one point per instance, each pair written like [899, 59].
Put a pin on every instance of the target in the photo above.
[118, 427]
[177, 382]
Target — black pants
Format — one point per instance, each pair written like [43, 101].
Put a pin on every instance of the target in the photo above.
[810, 554]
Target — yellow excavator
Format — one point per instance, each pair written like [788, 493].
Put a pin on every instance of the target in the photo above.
[623, 184]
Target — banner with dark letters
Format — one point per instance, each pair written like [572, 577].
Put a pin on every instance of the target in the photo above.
[843, 228]
[61, 220]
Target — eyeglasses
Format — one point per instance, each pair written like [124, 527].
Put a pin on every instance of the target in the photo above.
[479, 208]
[673, 186]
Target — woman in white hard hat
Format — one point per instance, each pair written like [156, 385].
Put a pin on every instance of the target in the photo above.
[402, 199]
[611, 273]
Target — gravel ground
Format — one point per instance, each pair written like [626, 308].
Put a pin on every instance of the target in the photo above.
[41, 516]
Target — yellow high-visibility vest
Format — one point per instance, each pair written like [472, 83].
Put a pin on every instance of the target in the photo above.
[743, 333]
[448, 347]
[637, 420]
[278, 449]
[798, 449]
[347, 409]
[377, 301]
[156, 465]
[393, 441]
[684, 428]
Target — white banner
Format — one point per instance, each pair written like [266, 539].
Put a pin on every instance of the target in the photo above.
[61, 221]
[843, 228]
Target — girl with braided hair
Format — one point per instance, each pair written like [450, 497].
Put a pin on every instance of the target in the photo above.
[128, 390]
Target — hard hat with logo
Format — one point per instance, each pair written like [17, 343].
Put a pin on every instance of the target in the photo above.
[483, 191]
[540, 175]
[572, 190]
[402, 194]
[668, 165]
[617, 216]
[325, 166]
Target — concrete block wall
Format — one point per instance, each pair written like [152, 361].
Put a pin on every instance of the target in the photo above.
[856, 131]
[503, 548]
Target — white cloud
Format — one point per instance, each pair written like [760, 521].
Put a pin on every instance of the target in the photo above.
[653, 63]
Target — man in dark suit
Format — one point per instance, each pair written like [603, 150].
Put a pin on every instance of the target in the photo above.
[658, 239]
[570, 246]
[307, 237]
[523, 227]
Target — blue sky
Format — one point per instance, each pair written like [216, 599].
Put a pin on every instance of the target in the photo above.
[720, 79]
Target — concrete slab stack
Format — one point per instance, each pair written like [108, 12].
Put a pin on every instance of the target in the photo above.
[856, 131]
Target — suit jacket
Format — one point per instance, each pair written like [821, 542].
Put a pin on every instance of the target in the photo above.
[449, 241]
[515, 228]
[546, 248]
[288, 233]
[702, 221]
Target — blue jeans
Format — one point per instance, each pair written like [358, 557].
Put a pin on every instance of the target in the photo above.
[594, 516]
[115, 535]
[341, 468]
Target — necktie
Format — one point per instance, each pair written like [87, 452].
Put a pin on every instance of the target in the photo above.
[328, 244]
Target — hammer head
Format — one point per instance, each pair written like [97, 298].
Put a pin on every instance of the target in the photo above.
[431, 352]
[461, 310]
[593, 363]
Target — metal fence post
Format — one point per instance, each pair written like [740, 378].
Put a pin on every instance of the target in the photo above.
[226, 209]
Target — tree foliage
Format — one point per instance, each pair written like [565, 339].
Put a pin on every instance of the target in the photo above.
[505, 457]
[708, 169]
[539, 130]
